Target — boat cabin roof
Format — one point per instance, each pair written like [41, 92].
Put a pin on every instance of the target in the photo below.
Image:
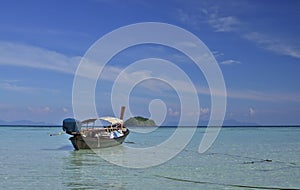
[111, 120]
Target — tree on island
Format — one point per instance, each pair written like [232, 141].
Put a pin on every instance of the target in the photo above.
[139, 121]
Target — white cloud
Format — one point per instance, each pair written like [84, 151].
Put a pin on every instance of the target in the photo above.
[36, 57]
[39, 110]
[204, 110]
[193, 20]
[21, 55]
[172, 112]
[252, 111]
[13, 85]
[203, 113]
[230, 62]
[223, 24]
[278, 46]
[263, 96]
[217, 54]
[46, 109]
[222, 21]
[65, 110]
[210, 16]
[253, 95]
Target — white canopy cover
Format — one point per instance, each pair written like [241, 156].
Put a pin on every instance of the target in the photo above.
[111, 120]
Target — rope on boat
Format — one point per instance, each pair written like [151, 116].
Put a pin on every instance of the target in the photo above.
[228, 185]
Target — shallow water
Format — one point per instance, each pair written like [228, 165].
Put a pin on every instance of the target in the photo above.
[240, 158]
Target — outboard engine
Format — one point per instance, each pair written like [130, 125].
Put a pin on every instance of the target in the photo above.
[71, 125]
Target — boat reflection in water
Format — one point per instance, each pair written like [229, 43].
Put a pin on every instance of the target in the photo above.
[85, 169]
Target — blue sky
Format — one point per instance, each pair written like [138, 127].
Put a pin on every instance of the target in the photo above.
[256, 44]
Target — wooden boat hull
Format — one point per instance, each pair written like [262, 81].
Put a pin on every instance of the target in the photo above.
[81, 142]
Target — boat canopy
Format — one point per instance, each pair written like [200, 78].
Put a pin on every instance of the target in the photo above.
[111, 120]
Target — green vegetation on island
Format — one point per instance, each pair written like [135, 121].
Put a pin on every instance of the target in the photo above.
[139, 122]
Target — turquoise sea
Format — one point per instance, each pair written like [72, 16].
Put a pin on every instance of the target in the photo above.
[240, 158]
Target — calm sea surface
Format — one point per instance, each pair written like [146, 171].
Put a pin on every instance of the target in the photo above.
[240, 158]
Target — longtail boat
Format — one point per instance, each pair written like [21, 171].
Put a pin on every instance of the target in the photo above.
[88, 135]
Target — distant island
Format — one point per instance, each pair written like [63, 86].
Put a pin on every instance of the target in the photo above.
[139, 121]
[24, 122]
